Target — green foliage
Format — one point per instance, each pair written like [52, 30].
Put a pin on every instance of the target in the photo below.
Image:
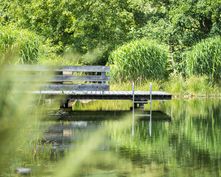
[27, 45]
[144, 59]
[89, 27]
[205, 58]
[181, 24]
[81, 24]
[198, 85]
[23, 41]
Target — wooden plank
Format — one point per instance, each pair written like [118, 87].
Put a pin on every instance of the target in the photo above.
[76, 87]
[84, 68]
[61, 78]
[39, 68]
[103, 75]
[107, 95]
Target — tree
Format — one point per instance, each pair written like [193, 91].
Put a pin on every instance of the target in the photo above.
[81, 24]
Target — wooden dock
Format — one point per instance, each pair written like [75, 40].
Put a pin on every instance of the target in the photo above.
[108, 95]
[80, 82]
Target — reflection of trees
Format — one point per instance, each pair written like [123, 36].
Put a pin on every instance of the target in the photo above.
[192, 139]
[203, 131]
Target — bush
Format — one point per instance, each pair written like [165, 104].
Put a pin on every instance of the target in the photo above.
[205, 59]
[139, 59]
[27, 45]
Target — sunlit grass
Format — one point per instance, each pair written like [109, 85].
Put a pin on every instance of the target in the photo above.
[177, 85]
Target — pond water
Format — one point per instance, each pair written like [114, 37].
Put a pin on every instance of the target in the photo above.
[183, 139]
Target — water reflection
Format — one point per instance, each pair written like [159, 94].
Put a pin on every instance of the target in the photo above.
[80, 124]
[186, 143]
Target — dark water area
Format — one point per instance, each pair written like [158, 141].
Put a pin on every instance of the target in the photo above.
[182, 139]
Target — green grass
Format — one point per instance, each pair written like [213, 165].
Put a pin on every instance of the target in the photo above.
[205, 58]
[26, 46]
[177, 85]
[143, 58]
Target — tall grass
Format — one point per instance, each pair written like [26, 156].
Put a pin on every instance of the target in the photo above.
[205, 59]
[177, 85]
[145, 59]
[20, 115]
[28, 46]
[191, 86]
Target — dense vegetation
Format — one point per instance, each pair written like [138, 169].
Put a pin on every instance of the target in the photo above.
[29, 47]
[92, 31]
[205, 58]
[139, 59]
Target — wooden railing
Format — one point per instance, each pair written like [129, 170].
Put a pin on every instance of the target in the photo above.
[66, 78]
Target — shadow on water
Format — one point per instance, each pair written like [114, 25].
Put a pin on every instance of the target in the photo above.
[106, 115]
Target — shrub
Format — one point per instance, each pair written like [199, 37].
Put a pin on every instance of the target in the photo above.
[27, 45]
[205, 58]
[139, 59]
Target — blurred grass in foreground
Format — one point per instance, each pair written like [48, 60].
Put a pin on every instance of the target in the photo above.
[20, 114]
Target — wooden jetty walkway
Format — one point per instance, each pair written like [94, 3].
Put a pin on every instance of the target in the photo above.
[83, 82]
[108, 95]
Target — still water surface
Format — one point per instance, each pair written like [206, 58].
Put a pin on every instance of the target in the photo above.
[183, 140]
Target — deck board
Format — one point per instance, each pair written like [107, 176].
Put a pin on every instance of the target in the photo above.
[108, 95]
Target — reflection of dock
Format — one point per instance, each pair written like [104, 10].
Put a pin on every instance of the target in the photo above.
[65, 135]
[107, 115]
[85, 122]
[61, 133]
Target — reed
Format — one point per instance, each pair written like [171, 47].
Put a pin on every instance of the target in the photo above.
[26, 45]
[204, 59]
[145, 59]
